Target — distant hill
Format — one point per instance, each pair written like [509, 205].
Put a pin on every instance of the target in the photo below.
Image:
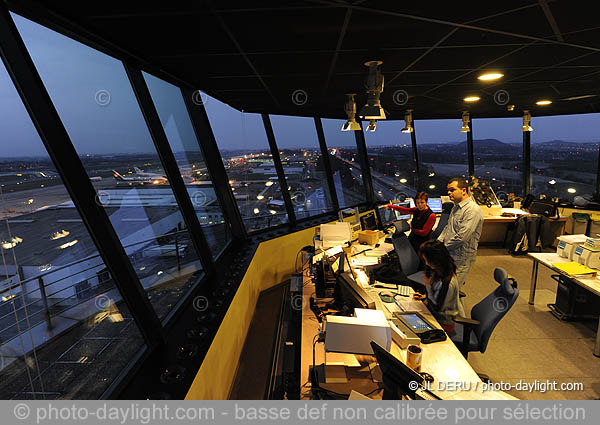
[488, 144]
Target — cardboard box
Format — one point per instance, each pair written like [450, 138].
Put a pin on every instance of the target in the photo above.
[370, 237]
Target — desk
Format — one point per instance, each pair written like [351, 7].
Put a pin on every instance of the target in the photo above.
[546, 259]
[495, 226]
[443, 360]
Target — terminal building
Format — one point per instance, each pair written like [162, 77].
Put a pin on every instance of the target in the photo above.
[170, 175]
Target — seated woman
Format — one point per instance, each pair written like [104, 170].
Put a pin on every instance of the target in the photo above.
[422, 221]
[441, 285]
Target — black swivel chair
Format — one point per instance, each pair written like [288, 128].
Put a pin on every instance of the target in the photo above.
[446, 208]
[408, 258]
[474, 334]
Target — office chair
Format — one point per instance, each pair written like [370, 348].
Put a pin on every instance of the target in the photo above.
[446, 208]
[408, 258]
[474, 334]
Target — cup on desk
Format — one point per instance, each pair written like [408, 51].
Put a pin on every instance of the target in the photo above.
[414, 357]
[517, 205]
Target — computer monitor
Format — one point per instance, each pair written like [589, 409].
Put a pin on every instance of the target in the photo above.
[348, 292]
[386, 216]
[397, 377]
[368, 222]
[435, 204]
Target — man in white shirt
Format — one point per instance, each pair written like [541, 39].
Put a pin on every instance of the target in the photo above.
[461, 234]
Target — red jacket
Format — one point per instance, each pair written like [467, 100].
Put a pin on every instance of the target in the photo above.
[426, 230]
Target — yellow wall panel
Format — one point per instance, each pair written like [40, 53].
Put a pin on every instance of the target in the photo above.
[272, 264]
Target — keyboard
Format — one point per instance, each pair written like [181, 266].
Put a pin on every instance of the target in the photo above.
[405, 291]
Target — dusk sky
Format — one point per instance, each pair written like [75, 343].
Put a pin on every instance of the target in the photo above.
[92, 94]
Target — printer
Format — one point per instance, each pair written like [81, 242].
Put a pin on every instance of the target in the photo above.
[586, 256]
[567, 244]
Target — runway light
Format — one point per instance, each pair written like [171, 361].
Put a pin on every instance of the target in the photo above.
[552, 181]
[571, 190]
[471, 98]
[490, 76]
[543, 102]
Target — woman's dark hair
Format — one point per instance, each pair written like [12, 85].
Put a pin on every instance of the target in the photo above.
[438, 256]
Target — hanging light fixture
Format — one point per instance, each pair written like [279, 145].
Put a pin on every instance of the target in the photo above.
[350, 106]
[408, 128]
[526, 121]
[374, 84]
[372, 125]
[465, 122]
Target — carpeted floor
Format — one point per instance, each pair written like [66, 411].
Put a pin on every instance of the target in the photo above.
[529, 343]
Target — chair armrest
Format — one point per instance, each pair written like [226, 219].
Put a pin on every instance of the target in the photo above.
[465, 321]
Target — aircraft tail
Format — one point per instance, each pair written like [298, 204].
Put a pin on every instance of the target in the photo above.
[117, 176]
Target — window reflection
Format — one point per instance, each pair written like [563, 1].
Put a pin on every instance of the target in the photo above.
[391, 159]
[345, 165]
[303, 166]
[65, 332]
[442, 153]
[249, 165]
[498, 154]
[564, 157]
[180, 134]
[98, 108]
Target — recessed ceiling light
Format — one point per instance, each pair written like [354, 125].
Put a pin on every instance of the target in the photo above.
[490, 76]
[543, 102]
[471, 99]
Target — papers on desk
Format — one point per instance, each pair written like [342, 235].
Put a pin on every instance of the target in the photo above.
[574, 269]
[364, 261]
[410, 304]
[328, 253]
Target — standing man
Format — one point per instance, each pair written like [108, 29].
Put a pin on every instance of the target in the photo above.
[461, 234]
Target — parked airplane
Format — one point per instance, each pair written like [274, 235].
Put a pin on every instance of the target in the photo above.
[143, 178]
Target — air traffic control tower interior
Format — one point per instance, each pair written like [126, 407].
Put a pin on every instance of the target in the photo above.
[193, 198]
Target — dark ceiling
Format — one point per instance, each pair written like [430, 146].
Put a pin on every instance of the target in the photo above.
[301, 57]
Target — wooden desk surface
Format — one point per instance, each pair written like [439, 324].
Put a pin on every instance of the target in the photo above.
[442, 359]
[547, 258]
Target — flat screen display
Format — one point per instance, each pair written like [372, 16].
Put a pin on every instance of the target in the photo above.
[387, 215]
[435, 204]
[405, 204]
[416, 322]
